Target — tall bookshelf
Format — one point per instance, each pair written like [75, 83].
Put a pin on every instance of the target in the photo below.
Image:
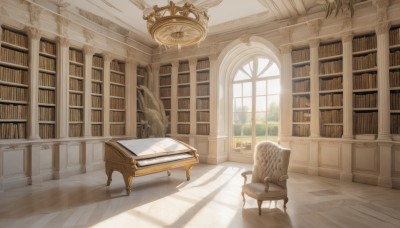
[301, 92]
[165, 90]
[142, 76]
[203, 97]
[365, 93]
[394, 78]
[97, 96]
[331, 89]
[14, 84]
[183, 98]
[76, 92]
[47, 89]
[117, 98]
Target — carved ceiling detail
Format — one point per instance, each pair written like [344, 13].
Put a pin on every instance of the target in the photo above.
[103, 22]
[285, 8]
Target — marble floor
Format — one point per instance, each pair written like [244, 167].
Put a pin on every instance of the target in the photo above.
[211, 199]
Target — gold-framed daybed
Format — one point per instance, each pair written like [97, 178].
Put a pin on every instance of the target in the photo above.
[138, 157]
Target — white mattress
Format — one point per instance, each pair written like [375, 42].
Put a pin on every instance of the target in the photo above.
[153, 146]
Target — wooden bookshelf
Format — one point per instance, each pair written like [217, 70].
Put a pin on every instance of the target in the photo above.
[365, 93]
[117, 99]
[142, 77]
[97, 95]
[47, 89]
[394, 79]
[165, 90]
[183, 98]
[203, 97]
[76, 92]
[14, 84]
[331, 89]
[301, 92]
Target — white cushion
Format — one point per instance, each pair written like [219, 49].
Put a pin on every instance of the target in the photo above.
[257, 191]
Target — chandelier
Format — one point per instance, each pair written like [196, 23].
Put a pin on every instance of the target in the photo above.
[177, 26]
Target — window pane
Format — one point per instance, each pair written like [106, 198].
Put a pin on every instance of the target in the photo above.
[273, 108]
[247, 88]
[248, 68]
[247, 104]
[237, 105]
[262, 63]
[237, 90]
[272, 71]
[261, 103]
[261, 117]
[240, 76]
[261, 88]
[274, 86]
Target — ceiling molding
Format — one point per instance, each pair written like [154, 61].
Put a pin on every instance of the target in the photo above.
[103, 22]
[285, 8]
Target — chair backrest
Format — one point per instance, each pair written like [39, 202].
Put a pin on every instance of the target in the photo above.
[270, 160]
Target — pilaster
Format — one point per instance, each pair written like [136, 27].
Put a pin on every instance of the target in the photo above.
[314, 157]
[213, 95]
[88, 60]
[154, 79]
[106, 102]
[174, 97]
[193, 87]
[34, 164]
[62, 87]
[286, 88]
[314, 81]
[385, 165]
[60, 160]
[131, 98]
[346, 174]
[347, 40]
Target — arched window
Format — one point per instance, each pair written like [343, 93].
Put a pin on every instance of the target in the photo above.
[255, 109]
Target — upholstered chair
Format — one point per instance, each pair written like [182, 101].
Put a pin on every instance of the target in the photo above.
[269, 175]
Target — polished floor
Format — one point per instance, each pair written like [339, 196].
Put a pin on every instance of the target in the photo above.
[211, 199]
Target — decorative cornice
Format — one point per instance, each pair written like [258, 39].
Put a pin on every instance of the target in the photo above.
[89, 35]
[347, 37]
[382, 28]
[286, 34]
[175, 64]
[130, 52]
[155, 67]
[103, 22]
[285, 49]
[314, 26]
[34, 14]
[245, 39]
[62, 25]
[314, 43]
[107, 56]
[213, 57]
[33, 33]
[64, 42]
[88, 50]
[381, 9]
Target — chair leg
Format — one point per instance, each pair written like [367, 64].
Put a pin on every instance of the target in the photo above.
[169, 172]
[285, 201]
[259, 202]
[244, 199]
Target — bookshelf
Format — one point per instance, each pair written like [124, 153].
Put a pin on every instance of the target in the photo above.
[14, 84]
[165, 90]
[142, 76]
[117, 98]
[47, 89]
[394, 79]
[203, 97]
[365, 93]
[183, 98]
[97, 96]
[76, 92]
[331, 89]
[301, 92]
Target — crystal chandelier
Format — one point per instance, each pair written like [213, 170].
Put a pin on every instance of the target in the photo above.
[177, 26]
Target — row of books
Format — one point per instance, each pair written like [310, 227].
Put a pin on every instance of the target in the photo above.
[365, 123]
[165, 92]
[330, 83]
[165, 69]
[203, 76]
[330, 49]
[301, 71]
[184, 103]
[395, 100]
[331, 116]
[13, 75]
[75, 99]
[394, 36]
[183, 67]
[166, 103]
[301, 86]
[395, 123]
[12, 111]
[183, 91]
[203, 64]
[117, 116]
[117, 129]
[14, 38]
[47, 96]
[75, 55]
[75, 130]
[47, 131]
[203, 129]
[301, 116]
[364, 43]
[165, 80]
[301, 130]
[47, 47]
[97, 102]
[97, 75]
[394, 78]
[202, 103]
[184, 116]
[47, 79]
[301, 55]
[97, 61]
[97, 88]
[117, 91]
[97, 115]
[141, 81]
[330, 100]
[183, 129]
[394, 58]
[331, 67]
[75, 84]
[183, 78]
[97, 130]
[75, 70]
[13, 93]
[118, 66]
[141, 71]
[12, 130]
[117, 103]
[117, 78]
[301, 101]
[47, 114]
[203, 90]
[365, 100]
[75, 114]
[139, 117]
[364, 62]
[203, 116]
[365, 81]
[13, 56]
[332, 131]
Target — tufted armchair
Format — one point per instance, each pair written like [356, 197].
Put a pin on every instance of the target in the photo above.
[268, 181]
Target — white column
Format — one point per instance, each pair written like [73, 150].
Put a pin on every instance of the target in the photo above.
[131, 91]
[33, 118]
[174, 97]
[382, 33]
[193, 87]
[106, 102]
[346, 170]
[314, 103]
[62, 87]
[286, 91]
[385, 165]
[347, 40]
[88, 52]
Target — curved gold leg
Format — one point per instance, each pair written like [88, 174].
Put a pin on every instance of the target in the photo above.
[109, 174]
[128, 183]
[188, 168]
[169, 173]
[259, 202]
[285, 201]
[244, 199]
